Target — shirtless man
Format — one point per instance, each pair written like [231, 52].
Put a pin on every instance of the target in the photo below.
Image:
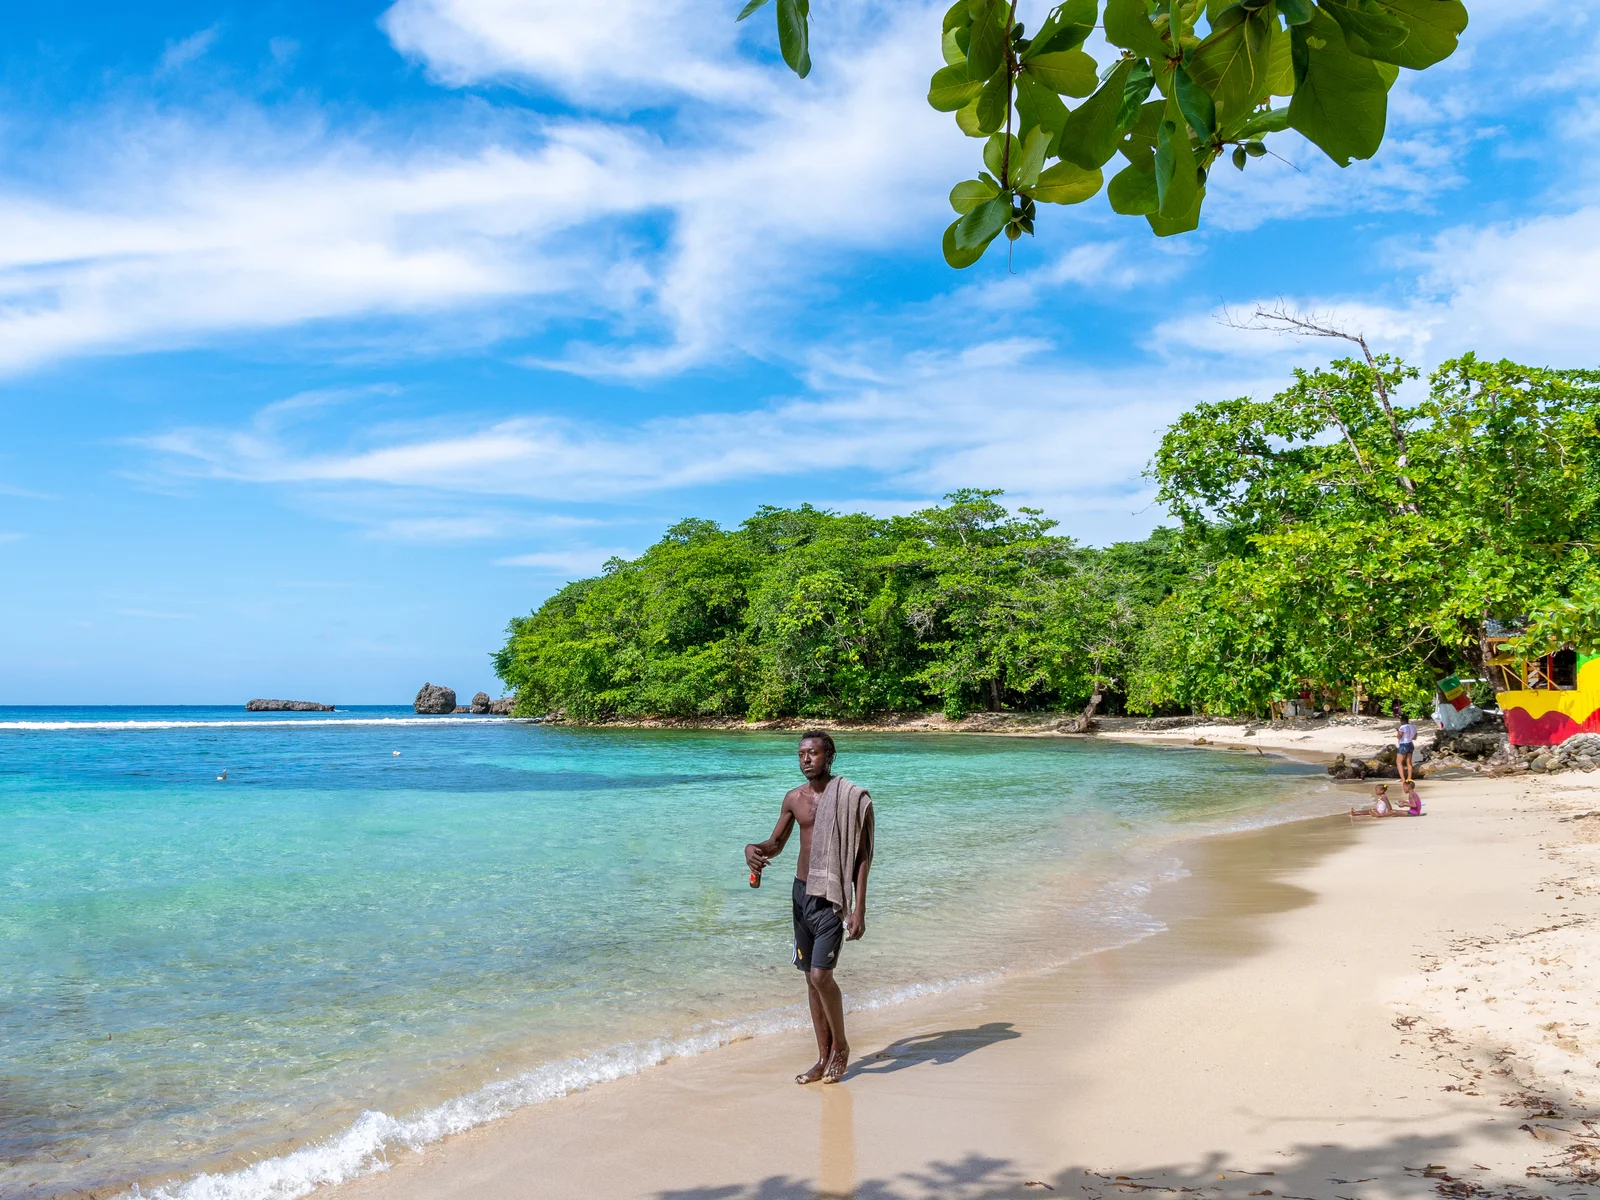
[820, 926]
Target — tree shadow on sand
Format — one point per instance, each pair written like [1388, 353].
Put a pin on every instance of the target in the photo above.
[943, 1047]
[1405, 1166]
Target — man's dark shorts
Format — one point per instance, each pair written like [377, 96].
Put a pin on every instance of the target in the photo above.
[818, 931]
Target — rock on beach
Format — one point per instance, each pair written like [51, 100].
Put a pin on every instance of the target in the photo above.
[433, 699]
[287, 706]
[480, 703]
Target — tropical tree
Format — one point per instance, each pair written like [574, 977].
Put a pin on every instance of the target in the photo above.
[1187, 82]
[1342, 538]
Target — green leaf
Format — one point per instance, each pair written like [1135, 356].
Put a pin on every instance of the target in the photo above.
[1435, 27]
[1138, 144]
[1373, 34]
[1134, 93]
[1184, 222]
[1128, 26]
[956, 256]
[1065, 72]
[957, 16]
[1025, 172]
[1229, 65]
[1195, 104]
[1065, 28]
[970, 193]
[794, 35]
[1068, 183]
[1296, 12]
[1176, 181]
[967, 121]
[1090, 136]
[1342, 102]
[950, 88]
[954, 54]
[1039, 107]
[977, 228]
[992, 101]
[994, 154]
[749, 8]
[987, 52]
[1132, 190]
[1279, 70]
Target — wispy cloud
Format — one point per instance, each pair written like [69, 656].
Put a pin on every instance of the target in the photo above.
[1527, 289]
[23, 493]
[575, 562]
[181, 53]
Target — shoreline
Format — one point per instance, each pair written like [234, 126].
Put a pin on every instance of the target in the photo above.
[1302, 1014]
[1135, 870]
[1326, 736]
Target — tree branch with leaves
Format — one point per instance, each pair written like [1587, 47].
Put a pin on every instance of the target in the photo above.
[1172, 100]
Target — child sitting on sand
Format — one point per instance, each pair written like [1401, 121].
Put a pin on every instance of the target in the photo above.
[1413, 801]
[1381, 806]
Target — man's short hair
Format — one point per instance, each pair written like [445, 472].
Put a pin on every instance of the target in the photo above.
[822, 736]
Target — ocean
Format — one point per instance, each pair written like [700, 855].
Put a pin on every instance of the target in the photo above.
[379, 928]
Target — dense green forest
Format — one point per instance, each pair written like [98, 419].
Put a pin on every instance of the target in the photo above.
[1331, 539]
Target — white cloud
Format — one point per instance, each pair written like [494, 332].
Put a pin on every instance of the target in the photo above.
[181, 53]
[629, 51]
[578, 561]
[1527, 290]
[686, 237]
[998, 414]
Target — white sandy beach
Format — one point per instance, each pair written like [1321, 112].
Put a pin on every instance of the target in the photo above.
[1337, 1011]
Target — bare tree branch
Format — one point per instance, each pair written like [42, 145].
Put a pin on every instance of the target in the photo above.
[1280, 318]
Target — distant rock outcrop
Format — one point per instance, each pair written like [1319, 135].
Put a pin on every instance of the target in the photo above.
[480, 703]
[433, 699]
[287, 706]
[503, 706]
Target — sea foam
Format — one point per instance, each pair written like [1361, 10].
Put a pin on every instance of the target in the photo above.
[364, 1147]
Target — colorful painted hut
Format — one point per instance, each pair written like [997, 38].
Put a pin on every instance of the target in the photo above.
[1546, 700]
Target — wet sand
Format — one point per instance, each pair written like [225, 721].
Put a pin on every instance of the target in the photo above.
[1288, 1036]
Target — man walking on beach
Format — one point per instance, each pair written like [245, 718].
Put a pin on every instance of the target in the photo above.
[830, 888]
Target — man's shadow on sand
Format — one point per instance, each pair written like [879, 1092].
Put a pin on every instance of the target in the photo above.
[943, 1047]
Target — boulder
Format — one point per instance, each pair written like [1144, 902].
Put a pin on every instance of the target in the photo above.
[503, 706]
[287, 706]
[433, 699]
[480, 703]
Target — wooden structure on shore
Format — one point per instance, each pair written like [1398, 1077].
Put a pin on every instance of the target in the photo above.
[1545, 700]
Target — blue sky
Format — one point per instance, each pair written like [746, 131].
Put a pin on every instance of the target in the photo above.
[332, 336]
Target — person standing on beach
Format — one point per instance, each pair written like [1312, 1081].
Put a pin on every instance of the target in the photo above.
[830, 888]
[1405, 743]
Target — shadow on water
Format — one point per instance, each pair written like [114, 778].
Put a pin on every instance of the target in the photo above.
[943, 1047]
[1326, 1172]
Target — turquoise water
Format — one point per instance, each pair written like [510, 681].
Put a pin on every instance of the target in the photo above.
[382, 928]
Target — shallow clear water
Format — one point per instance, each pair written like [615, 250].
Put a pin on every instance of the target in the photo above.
[200, 974]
